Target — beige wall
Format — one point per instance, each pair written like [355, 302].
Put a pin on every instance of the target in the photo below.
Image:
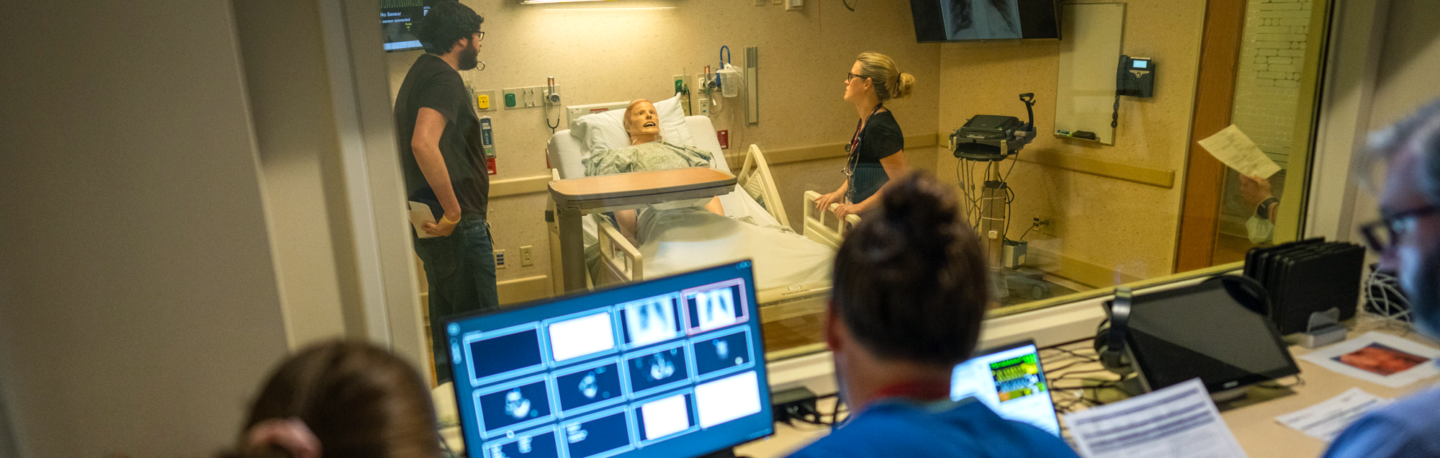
[1098, 222]
[139, 306]
[621, 51]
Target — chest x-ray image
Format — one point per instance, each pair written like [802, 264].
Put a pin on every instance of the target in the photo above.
[651, 320]
[714, 309]
[981, 19]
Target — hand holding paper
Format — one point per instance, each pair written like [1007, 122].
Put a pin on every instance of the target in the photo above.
[1233, 148]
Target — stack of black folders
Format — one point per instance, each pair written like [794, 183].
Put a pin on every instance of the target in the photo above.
[1306, 277]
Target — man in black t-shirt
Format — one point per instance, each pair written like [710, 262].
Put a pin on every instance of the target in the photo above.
[445, 169]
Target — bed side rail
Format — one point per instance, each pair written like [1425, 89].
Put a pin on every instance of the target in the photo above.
[769, 194]
[620, 262]
[822, 226]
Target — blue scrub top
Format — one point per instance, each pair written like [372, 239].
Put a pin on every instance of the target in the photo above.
[906, 429]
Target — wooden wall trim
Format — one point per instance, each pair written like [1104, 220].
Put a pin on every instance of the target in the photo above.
[819, 152]
[1126, 172]
[1214, 101]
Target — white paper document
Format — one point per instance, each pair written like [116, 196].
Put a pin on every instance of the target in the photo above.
[1326, 420]
[1177, 422]
[1379, 358]
[419, 215]
[1238, 152]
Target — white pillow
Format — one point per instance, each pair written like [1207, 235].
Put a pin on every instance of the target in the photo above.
[606, 130]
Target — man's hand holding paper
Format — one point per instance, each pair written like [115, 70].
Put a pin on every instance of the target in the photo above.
[1238, 152]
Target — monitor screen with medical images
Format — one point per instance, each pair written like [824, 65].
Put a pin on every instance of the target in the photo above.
[981, 20]
[662, 368]
[1010, 381]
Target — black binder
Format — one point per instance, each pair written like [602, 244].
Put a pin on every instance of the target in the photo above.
[1305, 277]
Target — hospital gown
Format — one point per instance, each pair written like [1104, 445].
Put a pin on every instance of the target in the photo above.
[675, 240]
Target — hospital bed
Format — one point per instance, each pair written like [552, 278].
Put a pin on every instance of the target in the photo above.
[753, 198]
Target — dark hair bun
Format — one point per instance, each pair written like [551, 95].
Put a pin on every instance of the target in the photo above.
[922, 208]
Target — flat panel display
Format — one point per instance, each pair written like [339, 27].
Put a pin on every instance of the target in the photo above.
[667, 367]
[400, 20]
[1011, 382]
[980, 20]
[1202, 331]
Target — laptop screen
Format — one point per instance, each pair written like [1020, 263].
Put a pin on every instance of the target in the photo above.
[1010, 381]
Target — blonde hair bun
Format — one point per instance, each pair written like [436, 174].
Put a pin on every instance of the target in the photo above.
[889, 82]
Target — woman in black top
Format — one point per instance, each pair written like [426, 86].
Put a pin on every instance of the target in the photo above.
[876, 150]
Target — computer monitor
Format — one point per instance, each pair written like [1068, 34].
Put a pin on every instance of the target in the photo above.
[1203, 331]
[1010, 381]
[662, 368]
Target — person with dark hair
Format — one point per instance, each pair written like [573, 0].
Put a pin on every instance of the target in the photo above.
[909, 296]
[876, 151]
[343, 399]
[445, 168]
[1407, 237]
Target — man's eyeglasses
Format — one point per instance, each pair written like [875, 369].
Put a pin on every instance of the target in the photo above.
[1382, 235]
[479, 36]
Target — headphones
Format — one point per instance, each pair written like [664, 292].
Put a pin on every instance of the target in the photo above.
[1110, 336]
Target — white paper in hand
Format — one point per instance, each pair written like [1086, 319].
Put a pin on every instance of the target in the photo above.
[1176, 422]
[419, 215]
[1238, 152]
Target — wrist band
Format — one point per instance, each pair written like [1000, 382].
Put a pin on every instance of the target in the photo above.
[1263, 211]
[446, 219]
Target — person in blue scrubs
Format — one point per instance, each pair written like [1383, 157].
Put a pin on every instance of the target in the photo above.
[910, 293]
[1408, 239]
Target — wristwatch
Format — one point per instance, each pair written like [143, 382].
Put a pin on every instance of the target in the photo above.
[1263, 211]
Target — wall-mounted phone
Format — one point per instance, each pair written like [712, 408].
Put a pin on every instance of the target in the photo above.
[1135, 77]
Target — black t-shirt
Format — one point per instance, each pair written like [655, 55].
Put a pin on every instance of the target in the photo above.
[433, 84]
[881, 139]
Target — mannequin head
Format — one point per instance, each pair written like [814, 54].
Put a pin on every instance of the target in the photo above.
[642, 122]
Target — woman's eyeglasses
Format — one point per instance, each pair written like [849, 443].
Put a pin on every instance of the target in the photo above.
[850, 76]
[1382, 235]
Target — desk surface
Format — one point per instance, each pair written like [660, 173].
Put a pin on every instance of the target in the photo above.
[1251, 419]
[640, 183]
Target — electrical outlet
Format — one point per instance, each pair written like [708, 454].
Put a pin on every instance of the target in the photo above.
[724, 137]
[499, 259]
[527, 256]
[704, 106]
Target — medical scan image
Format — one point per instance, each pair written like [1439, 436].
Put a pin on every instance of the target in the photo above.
[515, 408]
[719, 353]
[658, 369]
[981, 19]
[589, 389]
[715, 308]
[539, 445]
[651, 320]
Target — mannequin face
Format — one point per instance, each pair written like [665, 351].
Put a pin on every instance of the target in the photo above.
[641, 122]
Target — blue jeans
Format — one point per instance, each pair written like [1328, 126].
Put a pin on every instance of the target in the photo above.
[460, 269]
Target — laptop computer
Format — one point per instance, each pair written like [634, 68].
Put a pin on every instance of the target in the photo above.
[1010, 380]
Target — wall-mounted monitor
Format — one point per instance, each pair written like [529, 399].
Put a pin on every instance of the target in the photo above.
[399, 22]
[938, 21]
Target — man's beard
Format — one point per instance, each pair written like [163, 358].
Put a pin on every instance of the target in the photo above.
[1423, 288]
[469, 59]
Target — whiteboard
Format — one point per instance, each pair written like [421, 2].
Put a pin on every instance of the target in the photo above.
[1089, 55]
